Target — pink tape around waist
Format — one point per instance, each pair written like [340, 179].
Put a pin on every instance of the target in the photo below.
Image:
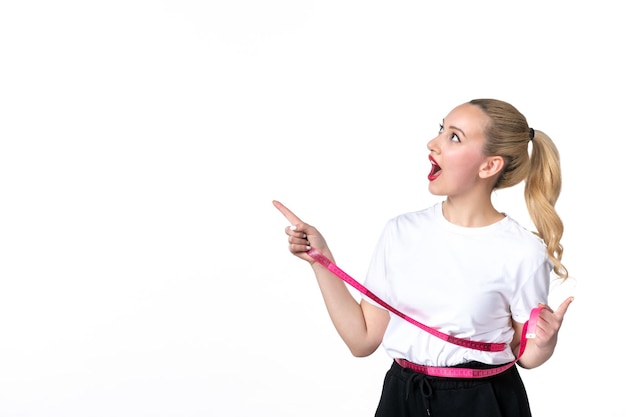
[528, 331]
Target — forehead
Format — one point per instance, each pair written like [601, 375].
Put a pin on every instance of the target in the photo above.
[469, 118]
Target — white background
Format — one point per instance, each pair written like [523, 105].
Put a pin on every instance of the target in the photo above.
[143, 268]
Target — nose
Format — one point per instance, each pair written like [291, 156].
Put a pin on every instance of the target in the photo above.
[432, 144]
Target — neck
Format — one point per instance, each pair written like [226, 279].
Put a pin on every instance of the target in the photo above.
[474, 214]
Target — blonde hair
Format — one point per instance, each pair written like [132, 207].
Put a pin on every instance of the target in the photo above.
[508, 135]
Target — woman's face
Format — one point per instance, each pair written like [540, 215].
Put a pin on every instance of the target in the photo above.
[456, 153]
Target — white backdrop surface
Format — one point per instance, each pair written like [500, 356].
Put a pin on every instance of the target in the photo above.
[143, 268]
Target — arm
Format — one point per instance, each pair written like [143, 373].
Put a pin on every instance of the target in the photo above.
[541, 348]
[360, 325]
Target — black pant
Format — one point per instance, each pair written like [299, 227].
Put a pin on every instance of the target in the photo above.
[407, 393]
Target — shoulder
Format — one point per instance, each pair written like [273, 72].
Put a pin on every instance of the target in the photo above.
[423, 216]
[410, 225]
[522, 240]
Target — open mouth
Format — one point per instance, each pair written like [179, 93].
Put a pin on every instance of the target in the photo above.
[435, 169]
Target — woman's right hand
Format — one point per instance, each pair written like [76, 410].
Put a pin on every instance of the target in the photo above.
[301, 236]
[360, 325]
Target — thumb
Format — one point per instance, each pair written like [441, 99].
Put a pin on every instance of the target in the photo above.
[560, 312]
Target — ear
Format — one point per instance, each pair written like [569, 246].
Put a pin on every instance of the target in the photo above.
[492, 166]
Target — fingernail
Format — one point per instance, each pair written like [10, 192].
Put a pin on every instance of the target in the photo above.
[303, 235]
[292, 227]
[308, 248]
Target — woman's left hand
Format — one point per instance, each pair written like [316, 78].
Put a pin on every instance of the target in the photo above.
[548, 324]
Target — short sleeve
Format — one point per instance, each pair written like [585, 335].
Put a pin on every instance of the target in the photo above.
[531, 292]
[376, 277]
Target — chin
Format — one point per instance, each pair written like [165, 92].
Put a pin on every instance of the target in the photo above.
[434, 191]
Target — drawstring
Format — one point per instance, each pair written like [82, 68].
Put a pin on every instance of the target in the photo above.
[424, 386]
[427, 392]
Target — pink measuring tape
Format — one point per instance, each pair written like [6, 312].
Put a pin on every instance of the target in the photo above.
[528, 331]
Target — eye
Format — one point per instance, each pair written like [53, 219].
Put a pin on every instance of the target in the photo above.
[453, 136]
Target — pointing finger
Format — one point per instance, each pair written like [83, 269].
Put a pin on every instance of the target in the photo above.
[293, 219]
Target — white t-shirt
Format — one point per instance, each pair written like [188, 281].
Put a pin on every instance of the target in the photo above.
[464, 281]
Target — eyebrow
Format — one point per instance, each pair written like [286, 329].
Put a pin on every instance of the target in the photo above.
[455, 128]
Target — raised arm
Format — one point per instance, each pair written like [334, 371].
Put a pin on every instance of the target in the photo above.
[360, 325]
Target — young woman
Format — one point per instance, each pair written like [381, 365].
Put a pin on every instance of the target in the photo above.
[461, 267]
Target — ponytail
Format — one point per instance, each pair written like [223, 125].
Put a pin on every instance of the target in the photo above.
[542, 189]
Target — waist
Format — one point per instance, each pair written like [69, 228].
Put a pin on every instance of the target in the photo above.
[472, 369]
